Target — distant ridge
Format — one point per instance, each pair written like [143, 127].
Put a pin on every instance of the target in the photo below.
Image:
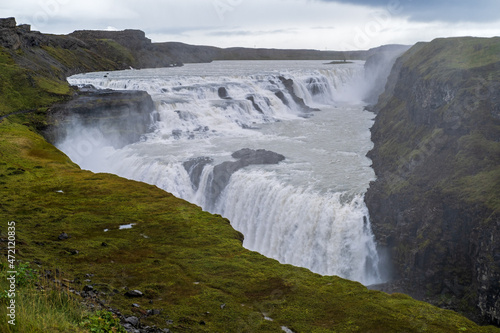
[177, 52]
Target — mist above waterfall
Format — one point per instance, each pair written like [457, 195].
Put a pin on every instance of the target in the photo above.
[305, 208]
[377, 69]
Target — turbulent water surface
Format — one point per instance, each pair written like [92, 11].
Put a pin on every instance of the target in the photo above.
[308, 210]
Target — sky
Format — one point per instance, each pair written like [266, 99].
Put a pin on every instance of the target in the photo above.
[286, 24]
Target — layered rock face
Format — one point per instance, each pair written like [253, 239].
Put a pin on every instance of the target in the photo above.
[435, 205]
[132, 39]
[120, 117]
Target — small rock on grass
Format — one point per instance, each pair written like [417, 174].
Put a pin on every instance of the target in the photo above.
[133, 320]
[134, 293]
[63, 236]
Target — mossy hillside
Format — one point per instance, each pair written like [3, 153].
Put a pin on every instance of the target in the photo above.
[459, 135]
[61, 55]
[187, 262]
[23, 89]
[453, 53]
[105, 55]
[452, 148]
[116, 52]
[83, 60]
[32, 78]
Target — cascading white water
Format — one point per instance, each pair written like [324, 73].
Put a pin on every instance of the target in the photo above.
[323, 232]
[307, 210]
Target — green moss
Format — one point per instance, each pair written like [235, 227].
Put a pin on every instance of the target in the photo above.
[52, 86]
[476, 175]
[22, 89]
[482, 187]
[188, 262]
[454, 53]
[83, 59]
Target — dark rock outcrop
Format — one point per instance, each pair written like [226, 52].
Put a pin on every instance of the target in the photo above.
[7, 23]
[131, 39]
[120, 117]
[222, 92]
[254, 104]
[222, 172]
[195, 167]
[288, 83]
[9, 37]
[436, 154]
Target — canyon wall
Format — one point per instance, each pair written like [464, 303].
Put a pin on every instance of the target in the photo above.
[435, 206]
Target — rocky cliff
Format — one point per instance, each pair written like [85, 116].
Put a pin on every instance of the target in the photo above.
[118, 117]
[435, 205]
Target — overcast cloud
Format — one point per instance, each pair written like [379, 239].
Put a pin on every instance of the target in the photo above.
[313, 24]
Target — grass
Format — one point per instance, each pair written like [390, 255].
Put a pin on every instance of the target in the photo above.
[44, 304]
[40, 306]
[23, 89]
[188, 263]
[455, 53]
[116, 51]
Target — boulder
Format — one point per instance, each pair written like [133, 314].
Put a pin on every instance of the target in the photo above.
[132, 320]
[254, 104]
[222, 92]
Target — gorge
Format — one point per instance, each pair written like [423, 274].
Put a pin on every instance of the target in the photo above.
[440, 232]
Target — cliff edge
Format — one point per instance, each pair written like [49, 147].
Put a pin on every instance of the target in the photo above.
[435, 205]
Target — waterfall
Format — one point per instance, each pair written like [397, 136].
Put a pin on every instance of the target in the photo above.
[328, 234]
[306, 210]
